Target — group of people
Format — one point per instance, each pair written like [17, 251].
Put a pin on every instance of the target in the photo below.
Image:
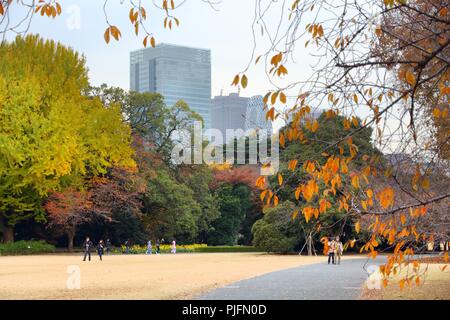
[335, 250]
[88, 246]
[102, 247]
[173, 248]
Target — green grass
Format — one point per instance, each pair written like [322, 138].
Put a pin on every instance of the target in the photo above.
[25, 248]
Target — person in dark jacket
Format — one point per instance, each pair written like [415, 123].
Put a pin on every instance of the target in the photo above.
[108, 246]
[100, 248]
[158, 244]
[87, 246]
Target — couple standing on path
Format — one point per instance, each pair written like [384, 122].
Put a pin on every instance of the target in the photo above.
[335, 250]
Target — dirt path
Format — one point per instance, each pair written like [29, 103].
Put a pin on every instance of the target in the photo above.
[135, 276]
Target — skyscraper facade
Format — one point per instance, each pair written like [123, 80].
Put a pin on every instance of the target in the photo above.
[235, 112]
[176, 72]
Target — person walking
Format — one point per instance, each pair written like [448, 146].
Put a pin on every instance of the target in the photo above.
[87, 246]
[158, 246]
[339, 250]
[331, 250]
[149, 247]
[108, 246]
[127, 247]
[100, 249]
[174, 247]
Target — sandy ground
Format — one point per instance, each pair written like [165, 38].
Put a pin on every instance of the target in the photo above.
[134, 276]
[435, 287]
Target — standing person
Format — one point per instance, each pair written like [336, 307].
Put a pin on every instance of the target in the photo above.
[339, 250]
[149, 247]
[174, 247]
[87, 246]
[331, 250]
[100, 248]
[158, 245]
[127, 247]
[108, 246]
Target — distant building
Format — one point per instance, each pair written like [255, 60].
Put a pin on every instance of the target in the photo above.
[176, 72]
[255, 118]
[235, 112]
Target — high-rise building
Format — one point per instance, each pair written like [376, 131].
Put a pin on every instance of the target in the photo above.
[176, 72]
[255, 118]
[235, 112]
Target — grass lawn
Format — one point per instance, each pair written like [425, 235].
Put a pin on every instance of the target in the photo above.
[435, 287]
[135, 276]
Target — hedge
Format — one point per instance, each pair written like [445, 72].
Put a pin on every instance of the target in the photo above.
[25, 248]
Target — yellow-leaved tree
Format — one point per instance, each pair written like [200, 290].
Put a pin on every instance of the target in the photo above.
[51, 135]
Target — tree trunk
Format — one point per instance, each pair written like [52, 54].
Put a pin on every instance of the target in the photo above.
[70, 237]
[7, 230]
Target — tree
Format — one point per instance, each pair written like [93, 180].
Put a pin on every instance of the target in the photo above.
[169, 209]
[150, 117]
[276, 232]
[67, 211]
[198, 178]
[50, 134]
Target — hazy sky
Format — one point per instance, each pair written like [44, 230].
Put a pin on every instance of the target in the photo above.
[226, 32]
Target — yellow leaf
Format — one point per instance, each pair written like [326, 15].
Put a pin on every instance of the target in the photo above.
[152, 42]
[292, 164]
[282, 140]
[386, 197]
[426, 183]
[282, 97]
[436, 112]
[314, 126]
[280, 179]
[403, 219]
[235, 80]
[244, 81]
[410, 78]
[355, 182]
[275, 201]
[263, 195]
[357, 227]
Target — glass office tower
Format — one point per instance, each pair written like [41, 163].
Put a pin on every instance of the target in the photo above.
[176, 72]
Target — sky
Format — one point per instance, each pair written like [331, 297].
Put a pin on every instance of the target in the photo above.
[225, 29]
[226, 32]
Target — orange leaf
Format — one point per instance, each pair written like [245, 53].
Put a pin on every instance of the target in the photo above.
[106, 35]
[280, 179]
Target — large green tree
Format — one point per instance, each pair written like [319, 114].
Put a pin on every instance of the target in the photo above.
[50, 133]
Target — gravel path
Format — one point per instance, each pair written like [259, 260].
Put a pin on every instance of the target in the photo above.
[317, 281]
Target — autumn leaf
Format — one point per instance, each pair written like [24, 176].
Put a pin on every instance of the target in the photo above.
[283, 97]
[410, 78]
[235, 80]
[107, 35]
[314, 126]
[244, 81]
[357, 227]
[280, 179]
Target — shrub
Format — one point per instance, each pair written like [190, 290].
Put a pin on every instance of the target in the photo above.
[268, 238]
[188, 248]
[25, 248]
